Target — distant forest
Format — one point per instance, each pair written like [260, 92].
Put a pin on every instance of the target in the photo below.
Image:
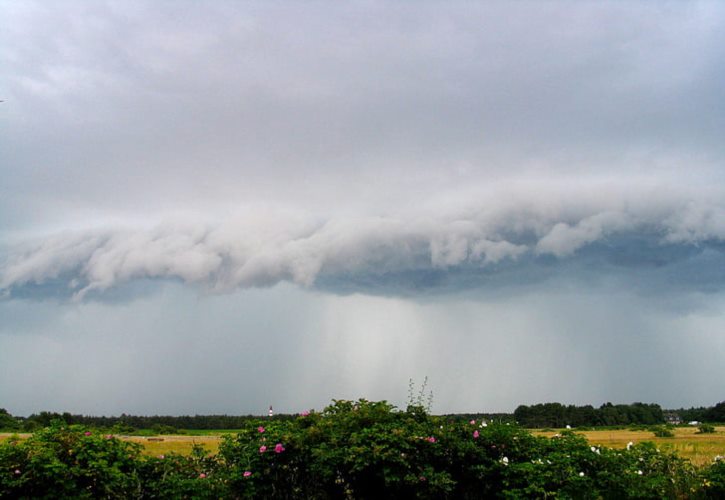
[554, 415]
[557, 415]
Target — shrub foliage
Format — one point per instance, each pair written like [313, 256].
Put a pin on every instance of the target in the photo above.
[352, 449]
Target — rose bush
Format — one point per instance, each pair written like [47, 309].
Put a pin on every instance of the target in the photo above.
[352, 449]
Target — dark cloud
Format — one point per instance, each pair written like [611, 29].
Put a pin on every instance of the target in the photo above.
[176, 352]
[520, 199]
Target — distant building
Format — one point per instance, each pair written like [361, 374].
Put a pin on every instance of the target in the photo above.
[271, 412]
[672, 418]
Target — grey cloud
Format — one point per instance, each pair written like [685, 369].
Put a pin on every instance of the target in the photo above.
[528, 184]
[344, 105]
[176, 352]
[565, 239]
[484, 245]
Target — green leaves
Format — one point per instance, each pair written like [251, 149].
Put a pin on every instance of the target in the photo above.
[353, 449]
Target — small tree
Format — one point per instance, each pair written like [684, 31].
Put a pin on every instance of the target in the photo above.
[662, 432]
[705, 429]
[7, 421]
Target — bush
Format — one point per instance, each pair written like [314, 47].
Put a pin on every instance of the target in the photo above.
[63, 462]
[705, 429]
[199, 475]
[357, 449]
[368, 450]
[8, 422]
[163, 429]
[714, 479]
[662, 431]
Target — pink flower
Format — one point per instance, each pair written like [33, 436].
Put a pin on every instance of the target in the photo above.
[431, 439]
[260, 429]
[278, 448]
[247, 473]
[305, 413]
[162, 457]
[202, 475]
[421, 478]
[472, 422]
[109, 436]
[17, 472]
[475, 434]
[87, 433]
[262, 449]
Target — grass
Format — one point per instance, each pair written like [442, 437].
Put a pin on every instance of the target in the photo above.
[214, 432]
[162, 445]
[700, 449]
[181, 444]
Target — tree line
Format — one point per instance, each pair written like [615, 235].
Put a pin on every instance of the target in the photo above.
[163, 424]
[558, 415]
[703, 414]
[555, 415]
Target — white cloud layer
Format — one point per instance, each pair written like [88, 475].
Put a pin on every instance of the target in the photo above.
[259, 249]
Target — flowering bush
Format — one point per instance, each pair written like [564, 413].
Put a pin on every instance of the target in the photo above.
[175, 476]
[61, 461]
[352, 449]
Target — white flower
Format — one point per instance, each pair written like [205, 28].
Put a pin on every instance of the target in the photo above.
[568, 426]
[505, 460]
[596, 450]
[581, 474]
[639, 472]
[629, 445]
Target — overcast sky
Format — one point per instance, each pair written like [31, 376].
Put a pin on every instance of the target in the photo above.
[214, 207]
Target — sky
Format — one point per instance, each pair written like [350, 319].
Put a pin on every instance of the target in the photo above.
[216, 207]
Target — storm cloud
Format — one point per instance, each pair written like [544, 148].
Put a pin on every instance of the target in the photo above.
[360, 192]
[494, 234]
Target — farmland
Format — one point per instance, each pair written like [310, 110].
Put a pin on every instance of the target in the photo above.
[700, 449]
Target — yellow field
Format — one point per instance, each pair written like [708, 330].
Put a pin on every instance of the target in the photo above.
[159, 445]
[175, 444]
[699, 448]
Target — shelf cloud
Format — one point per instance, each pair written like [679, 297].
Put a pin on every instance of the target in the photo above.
[489, 236]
